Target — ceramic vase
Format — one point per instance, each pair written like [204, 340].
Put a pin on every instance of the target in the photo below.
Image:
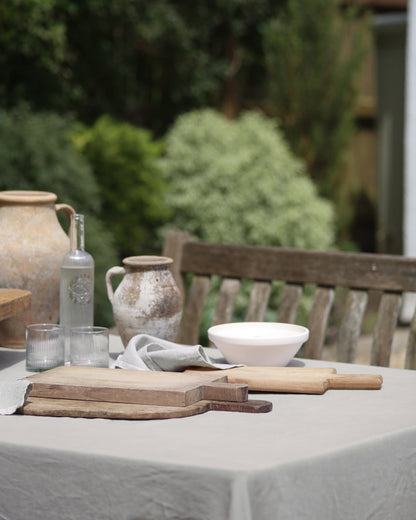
[32, 245]
[147, 300]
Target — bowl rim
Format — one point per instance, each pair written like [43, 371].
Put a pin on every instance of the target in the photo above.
[302, 336]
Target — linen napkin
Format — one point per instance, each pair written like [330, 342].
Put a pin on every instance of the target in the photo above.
[144, 352]
[13, 395]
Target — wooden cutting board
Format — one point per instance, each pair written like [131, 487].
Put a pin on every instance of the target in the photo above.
[135, 386]
[131, 394]
[106, 410]
[304, 380]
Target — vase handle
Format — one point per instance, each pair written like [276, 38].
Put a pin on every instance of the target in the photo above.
[109, 274]
[67, 209]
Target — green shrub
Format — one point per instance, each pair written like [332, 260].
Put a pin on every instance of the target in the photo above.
[237, 181]
[124, 160]
[36, 154]
[33, 58]
[145, 62]
[313, 56]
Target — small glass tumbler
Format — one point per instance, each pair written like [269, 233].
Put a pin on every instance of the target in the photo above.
[89, 346]
[45, 346]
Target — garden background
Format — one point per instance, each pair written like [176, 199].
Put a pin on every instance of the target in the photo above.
[236, 121]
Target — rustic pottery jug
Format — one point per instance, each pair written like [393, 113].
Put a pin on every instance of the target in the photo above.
[147, 300]
[32, 244]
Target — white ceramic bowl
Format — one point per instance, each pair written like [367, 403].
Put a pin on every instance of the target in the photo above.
[258, 343]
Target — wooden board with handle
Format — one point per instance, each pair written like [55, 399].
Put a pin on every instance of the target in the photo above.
[135, 386]
[305, 380]
[130, 411]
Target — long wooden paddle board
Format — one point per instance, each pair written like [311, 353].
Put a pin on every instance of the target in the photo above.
[303, 380]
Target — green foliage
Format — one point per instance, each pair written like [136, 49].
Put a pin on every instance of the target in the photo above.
[35, 153]
[124, 160]
[145, 62]
[33, 57]
[196, 54]
[312, 79]
[237, 181]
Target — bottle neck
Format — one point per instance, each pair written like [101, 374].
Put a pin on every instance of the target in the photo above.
[76, 234]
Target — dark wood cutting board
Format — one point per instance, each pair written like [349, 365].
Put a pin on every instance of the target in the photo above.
[135, 386]
[106, 410]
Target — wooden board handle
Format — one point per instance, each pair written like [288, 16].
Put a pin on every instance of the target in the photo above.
[355, 382]
[294, 385]
[225, 391]
[250, 406]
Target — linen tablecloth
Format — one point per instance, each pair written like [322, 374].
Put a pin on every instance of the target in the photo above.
[347, 454]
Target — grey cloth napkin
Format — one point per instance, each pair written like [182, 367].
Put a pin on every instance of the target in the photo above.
[13, 394]
[145, 352]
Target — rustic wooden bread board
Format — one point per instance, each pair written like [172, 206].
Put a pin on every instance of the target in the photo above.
[106, 410]
[135, 386]
[304, 380]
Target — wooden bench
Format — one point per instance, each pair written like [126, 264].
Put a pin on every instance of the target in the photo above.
[356, 274]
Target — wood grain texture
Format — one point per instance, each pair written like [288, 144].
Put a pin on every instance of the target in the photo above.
[318, 321]
[384, 330]
[300, 380]
[289, 303]
[189, 332]
[131, 386]
[227, 297]
[410, 361]
[13, 301]
[259, 298]
[295, 384]
[355, 381]
[357, 270]
[106, 410]
[172, 248]
[351, 325]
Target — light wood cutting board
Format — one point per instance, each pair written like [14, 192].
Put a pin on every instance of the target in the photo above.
[135, 386]
[303, 380]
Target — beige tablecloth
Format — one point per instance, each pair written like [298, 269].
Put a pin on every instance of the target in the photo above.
[342, 455]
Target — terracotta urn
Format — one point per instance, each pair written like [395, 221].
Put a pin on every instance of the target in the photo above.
[32, 247]
[147, 300]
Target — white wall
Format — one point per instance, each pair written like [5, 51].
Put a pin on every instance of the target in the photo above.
[409, 203]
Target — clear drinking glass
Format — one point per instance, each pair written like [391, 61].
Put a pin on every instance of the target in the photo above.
[45, 346]
[89, 346]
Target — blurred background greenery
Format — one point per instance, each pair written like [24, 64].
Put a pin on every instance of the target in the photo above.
[232, 120]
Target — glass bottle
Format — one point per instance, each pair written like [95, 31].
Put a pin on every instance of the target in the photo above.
[76, 293]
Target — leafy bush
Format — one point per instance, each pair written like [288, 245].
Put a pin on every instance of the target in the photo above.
[124, 161]
[149, 61]
[33, 54]
[36, 154]
[313, 55]
[237, 181]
